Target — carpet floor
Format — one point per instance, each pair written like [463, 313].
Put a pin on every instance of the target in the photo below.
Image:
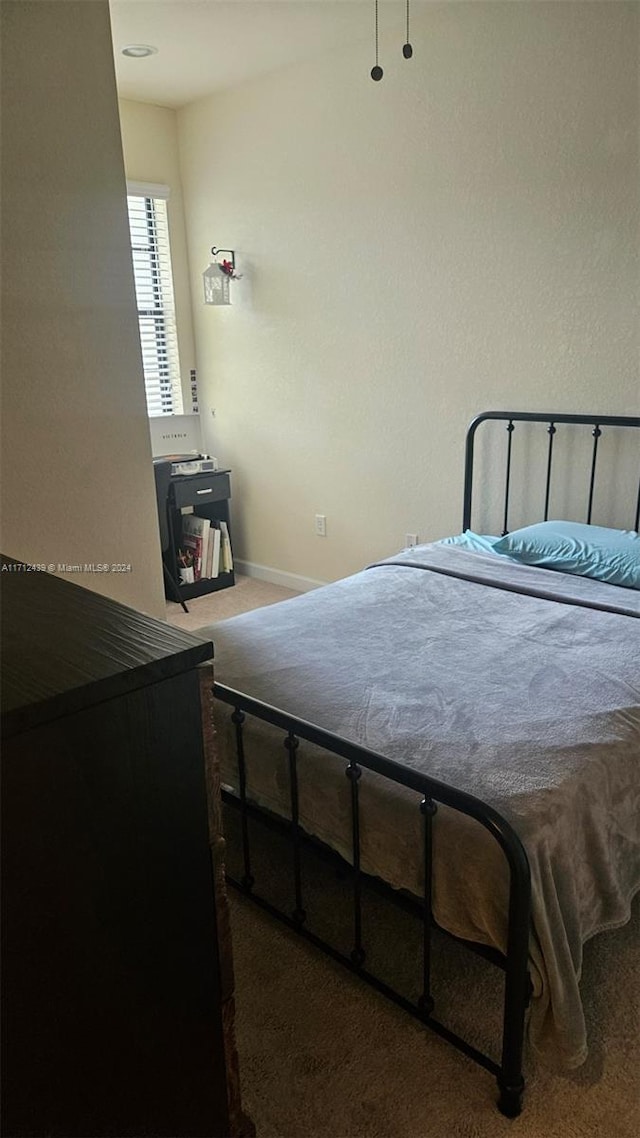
[324, 1056]
[247, 593]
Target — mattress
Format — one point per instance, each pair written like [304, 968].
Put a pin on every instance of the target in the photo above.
[518, 685]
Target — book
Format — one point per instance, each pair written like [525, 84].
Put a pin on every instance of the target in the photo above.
[192, 546]
[195, 537]
[226, 556]
[214, 551]
[206, 565]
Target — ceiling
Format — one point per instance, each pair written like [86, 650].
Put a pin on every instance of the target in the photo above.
[207, 45]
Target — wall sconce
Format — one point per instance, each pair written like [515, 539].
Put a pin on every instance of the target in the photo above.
[216, 278]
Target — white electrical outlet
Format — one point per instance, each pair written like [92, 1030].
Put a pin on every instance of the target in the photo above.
[321, 525]
[410, 540]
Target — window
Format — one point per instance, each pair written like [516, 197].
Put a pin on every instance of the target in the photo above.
[154, 295]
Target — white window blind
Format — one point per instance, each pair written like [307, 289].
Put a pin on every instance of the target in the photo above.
[154, 294]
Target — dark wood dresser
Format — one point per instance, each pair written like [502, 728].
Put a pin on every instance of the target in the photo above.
[117, 977]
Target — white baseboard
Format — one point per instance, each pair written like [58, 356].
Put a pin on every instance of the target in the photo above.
[276, 576]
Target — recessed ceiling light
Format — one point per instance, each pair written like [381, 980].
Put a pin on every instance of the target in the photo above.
[139, 50]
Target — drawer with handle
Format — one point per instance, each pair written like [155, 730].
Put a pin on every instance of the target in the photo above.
[201, 489]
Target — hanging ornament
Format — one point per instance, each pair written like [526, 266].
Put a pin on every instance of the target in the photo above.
[407, 50]
[376, 72]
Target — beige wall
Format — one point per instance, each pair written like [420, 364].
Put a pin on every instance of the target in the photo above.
[462, 235]
[150, 150]
[77, 479]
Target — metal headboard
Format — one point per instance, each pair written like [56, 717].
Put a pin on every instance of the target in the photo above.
[596, 422]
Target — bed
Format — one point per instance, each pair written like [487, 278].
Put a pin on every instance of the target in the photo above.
[486, 712]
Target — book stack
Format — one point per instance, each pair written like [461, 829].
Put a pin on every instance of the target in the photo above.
[208, 543]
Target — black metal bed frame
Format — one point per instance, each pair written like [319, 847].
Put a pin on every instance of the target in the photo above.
[513, 417]
[514, 962]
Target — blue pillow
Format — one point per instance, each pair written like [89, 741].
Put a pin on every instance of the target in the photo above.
[472, 542]
[611, 555]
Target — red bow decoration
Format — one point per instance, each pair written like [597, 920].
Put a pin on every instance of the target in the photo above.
[227, 268]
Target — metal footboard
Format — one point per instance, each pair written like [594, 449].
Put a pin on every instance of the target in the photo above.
[517, 986]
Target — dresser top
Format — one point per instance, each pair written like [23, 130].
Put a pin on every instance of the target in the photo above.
[65, 648]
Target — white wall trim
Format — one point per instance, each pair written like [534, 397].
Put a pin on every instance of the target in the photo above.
[277, 576]
[148, 190]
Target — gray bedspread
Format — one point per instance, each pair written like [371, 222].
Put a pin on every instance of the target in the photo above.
[518, 685]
